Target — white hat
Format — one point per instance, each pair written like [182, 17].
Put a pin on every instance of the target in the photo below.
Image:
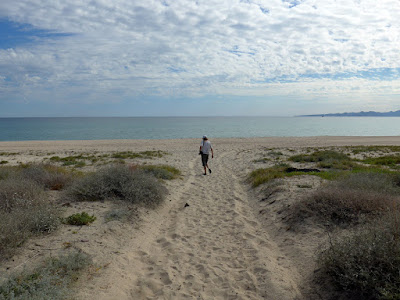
[204, 136]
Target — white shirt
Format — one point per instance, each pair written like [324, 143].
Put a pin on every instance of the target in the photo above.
[206, 146]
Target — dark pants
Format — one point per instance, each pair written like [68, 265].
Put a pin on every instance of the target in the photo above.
[204, 159]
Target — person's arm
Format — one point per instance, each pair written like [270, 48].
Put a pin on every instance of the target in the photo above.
[212, 153]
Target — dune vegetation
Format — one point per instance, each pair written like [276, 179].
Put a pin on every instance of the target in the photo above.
[359, 206]
[30, 205]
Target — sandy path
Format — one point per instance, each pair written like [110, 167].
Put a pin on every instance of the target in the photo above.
[213, 249]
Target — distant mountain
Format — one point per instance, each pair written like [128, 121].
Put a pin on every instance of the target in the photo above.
[359, 114]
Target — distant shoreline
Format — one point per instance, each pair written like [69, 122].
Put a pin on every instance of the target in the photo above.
[192, 144]
[358, 114]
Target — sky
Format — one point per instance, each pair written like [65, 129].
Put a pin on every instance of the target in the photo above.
[198, 58]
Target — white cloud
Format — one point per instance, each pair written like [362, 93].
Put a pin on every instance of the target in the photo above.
[125, 48]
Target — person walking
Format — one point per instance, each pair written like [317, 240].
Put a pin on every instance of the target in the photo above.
[205, 148]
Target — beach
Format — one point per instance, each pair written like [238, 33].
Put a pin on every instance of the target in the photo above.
[214, 237]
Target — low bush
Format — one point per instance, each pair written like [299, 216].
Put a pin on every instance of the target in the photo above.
[365, 264]
[24, 211]
[118, 182]
[50, 281]
[349, 200]
[80, 219]
[6, 172]
[49, 176]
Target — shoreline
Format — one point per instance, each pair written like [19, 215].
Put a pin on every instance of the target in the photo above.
[109, 145]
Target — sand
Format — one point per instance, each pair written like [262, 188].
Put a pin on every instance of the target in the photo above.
[215, 237]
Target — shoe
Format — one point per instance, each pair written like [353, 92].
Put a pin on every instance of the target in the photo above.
[205, 174]
[209, 170]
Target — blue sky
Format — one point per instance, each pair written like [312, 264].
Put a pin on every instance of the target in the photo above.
[185, 58]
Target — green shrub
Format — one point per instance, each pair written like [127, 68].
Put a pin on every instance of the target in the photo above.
[320, 156]
[365, 264]
[80, 219]
[119, 182]
[263, 175]
[50, 281]
[3, 162]
[366, 149]
[143, 154]
[389, 160]
[162, 171]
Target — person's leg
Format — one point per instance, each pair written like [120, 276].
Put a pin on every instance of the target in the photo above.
[204, 159]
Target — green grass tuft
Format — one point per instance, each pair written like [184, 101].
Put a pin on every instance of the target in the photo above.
[389, 161]
[133, 155]
[320, 156]
[80, 219]
[263, 175]
[161, 171]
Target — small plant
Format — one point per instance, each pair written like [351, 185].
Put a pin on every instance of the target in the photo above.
[143, 154]
[262, 160]
[161, 171]
[304, 186]
[119, 214]
[260, 176]
[8, 153]
[275, 153]
[3, 162]
[80, 219]
[389, 160]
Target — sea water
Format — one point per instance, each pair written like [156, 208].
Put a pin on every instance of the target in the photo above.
[104, 128]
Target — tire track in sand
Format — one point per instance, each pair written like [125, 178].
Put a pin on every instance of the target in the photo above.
[215, 248]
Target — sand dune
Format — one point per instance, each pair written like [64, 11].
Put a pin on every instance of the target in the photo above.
[221, 245]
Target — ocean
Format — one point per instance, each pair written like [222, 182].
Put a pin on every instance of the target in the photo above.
[105, 128]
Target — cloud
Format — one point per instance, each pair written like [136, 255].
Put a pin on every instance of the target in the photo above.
[124, 49]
